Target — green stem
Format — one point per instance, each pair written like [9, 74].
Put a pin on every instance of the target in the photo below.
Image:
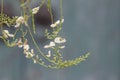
[57, 53]
[61, 11]
[50, 9]
[33, 23]
[43, 1]
[24, 3]
[40, 63]
[2, 4]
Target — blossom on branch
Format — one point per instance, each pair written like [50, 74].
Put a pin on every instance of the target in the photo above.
[52, 44]
[49, 54]
[35, 10]
[6, 34]
[59, 40]
[21, 20]
[57, 23]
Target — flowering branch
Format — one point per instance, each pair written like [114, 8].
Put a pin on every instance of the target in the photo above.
[54, 56]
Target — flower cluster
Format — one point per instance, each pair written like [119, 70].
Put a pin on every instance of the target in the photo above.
[6, 34]
[27, 51]
[56, 28]
[57, 40]
[52, 44]
[21, 20]
[57, 23]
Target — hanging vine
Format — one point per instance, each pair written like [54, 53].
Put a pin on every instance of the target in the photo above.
[53, 59]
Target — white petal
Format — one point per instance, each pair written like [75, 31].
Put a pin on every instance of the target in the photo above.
[34, 61]
[26, 47]
[5, 35]
[6, 31]
[61, 47]
[52, 44]
[49, 54]
[53, 25]
[20, 41]
[29, 55]
[17, 25]
[20, 46]
[35, 10]
[32, 51]
[46, 46]
[59, 40]
[20, 20]
[57, 22]
[62, 20]
[10, 35]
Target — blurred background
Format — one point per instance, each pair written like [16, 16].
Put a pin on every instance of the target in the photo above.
[90, 26]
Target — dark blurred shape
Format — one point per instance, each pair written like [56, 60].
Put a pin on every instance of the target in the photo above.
[43, 17]
[43, 20]
[8, 9]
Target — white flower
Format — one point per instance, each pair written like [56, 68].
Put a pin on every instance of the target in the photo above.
[37, 57]
[6, 34]
[20, 46]
[49, 54]
[26, 47]
[62, 20]
[34, 60]
[52, 44]
[20, 20]
[35, 10]
[10, 35]
[57, 23]
[59, 40]
[6, 31]
[29, 55]
[47, 46]
[32, 51]
[20, 43]
[53, 25]
[61, 47]
[17, 25]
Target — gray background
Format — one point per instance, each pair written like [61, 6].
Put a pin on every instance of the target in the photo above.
[90, 25]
